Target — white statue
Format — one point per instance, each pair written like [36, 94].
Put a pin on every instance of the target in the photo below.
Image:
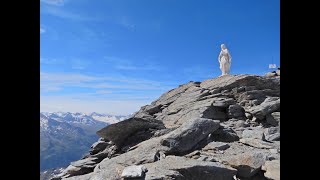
[224, 60]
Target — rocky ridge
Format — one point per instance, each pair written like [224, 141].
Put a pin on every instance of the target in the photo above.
[222, 128]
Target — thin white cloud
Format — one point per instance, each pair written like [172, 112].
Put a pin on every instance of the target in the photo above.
[126, 64]
[74, 63]
[48, 61]
[57, 81]
[48, 88]
[65, 14]
[131, 86]
[63, 103]
[61, 12]
[79, 64]
[53, 2]
[42, 30]
[104, 92]
[113, 95]
[67, 78]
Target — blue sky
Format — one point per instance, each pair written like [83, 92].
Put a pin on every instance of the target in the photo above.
[113, 56]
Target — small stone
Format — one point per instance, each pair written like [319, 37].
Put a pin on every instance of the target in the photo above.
[219, 152]
[270, 158]
[248, 115]
[211, 159]
[233, 119]
[270, 74]
[254, 119]
[202, 158]
[195, 157]
[133, 171]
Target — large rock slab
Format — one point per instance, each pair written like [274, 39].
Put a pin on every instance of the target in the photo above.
[247, 164]
[80, 167]
[229, 82]
[175, 115]
[178, 141]
[269, 106]
[174, 167]
[272, 169]
[172, 95]
[189, 134]
[98, 147]
[119, 132]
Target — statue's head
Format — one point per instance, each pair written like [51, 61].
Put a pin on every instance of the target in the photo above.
[223, 46]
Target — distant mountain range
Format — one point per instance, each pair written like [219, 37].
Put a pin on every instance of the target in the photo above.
[50, 173]
[65, 136]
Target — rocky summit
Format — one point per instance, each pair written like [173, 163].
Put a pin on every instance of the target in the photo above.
[222, 128]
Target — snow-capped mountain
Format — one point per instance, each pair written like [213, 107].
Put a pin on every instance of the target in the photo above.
[108, 118]
[65, 136]
[83, 118]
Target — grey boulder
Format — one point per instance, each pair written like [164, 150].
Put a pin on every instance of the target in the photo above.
[268, 106]
[133, 171]
[273, 118]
